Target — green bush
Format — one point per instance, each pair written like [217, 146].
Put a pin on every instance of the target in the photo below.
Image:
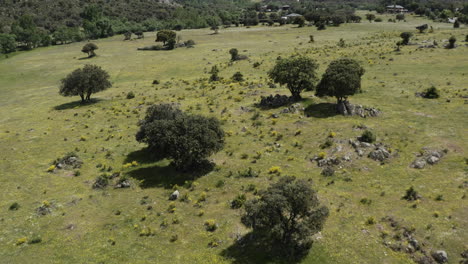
[431, 93]
[14, 206]
[239, 201]
[238, 77]
[367, 136]
[130, 95]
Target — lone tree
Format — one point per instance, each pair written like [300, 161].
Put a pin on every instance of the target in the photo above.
[341, 79]
[84, 82]
[370, 17]
[165, 35]
[186, 139]
[286, 216]
[89, 48]
[234, 54]
[297, 73]
[456, 24]
[405, 36]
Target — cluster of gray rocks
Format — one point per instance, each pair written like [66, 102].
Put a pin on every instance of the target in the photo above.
[426, 157]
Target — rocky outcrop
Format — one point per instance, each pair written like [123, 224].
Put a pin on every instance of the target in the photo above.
[348, 109]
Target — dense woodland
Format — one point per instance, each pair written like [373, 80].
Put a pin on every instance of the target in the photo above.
[30, 24]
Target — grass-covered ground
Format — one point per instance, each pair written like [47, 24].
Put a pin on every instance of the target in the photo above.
[37, 126]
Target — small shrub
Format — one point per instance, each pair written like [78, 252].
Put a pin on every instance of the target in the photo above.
[51, 168]
[322, 155]
[172, 207]
[147, 232]
[239, 201]
[274, 170]
[367, 136]
[201, 213]
[452, 41]
[220, 183]
[256, 64]
[238, 77]
[328, 171]
[249, 173]
[431, 93]
[21, 241]
[341, 43]
[189, 43]
[202, 197]
[174, 238]
[366, 201]
[370, 221]
[332, 135]
[411, 195]
[328, 143]
[14, 206]
[130, 95]
[210, 225]
[35, 240]
[378, 19]
[214, 243]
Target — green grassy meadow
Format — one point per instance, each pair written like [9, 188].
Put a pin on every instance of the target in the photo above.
[37, 125]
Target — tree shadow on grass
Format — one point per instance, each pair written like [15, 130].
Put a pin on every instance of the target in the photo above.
[321, 110]
[76, 104]
[87, 58]
[249, 249]
[165, 175]
[142, 156]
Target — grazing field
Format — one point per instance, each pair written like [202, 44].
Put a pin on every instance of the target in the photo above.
[135, 225]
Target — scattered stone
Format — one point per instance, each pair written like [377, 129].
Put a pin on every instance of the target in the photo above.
[101, 182]
[174, 195]
[348, 109]
[295, 108]
[380, 154]
[68, 162]
[360, 152]
[418, 164]
[123, 183]
[43, 210]
[440, 256]
[432, 160]
[427, 156]
[328, 162]
[425, 260]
